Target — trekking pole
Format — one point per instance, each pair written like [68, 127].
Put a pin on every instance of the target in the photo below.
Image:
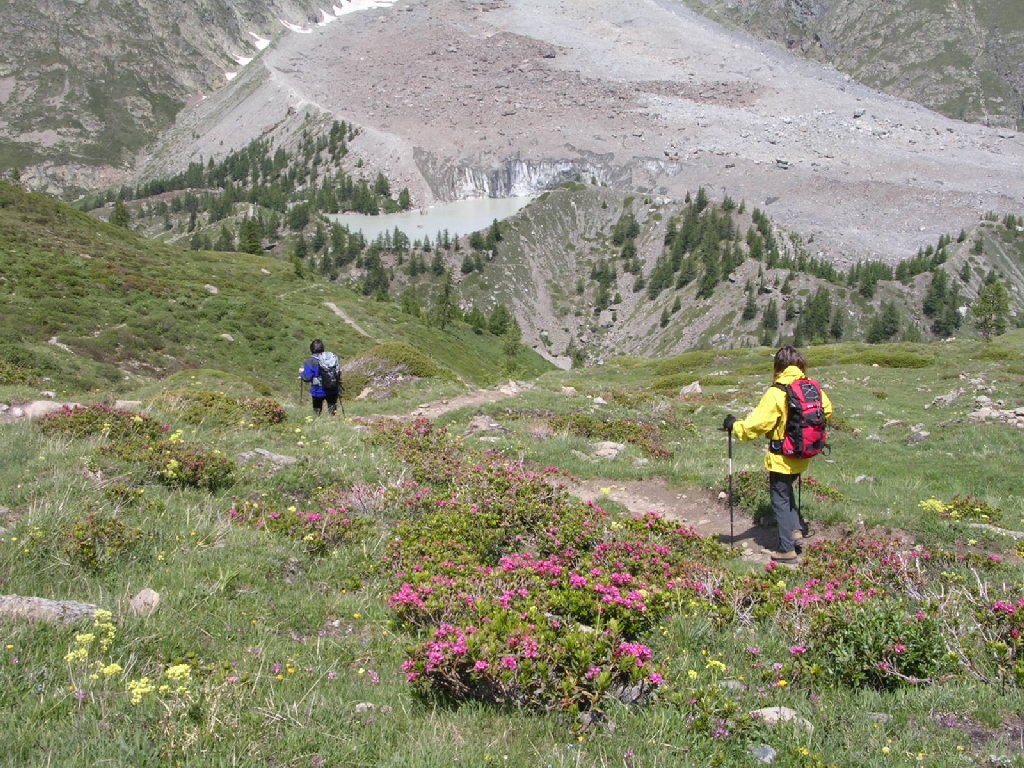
[800, 504]
[341, 395]
[732, 535]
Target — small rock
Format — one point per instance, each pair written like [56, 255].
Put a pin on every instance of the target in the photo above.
[277, 459]
[211, 289]
[893, 423]
[878, 717]
[48, 611]
[731, 685]
[763, 753]
[948, 399]
[227, 337]
[482, 423]
[600, 401]
[48, 393]
[918, 437]
[145, 603]
[39, 408]
[568, 390]
[607, 449]
[864, 479]
[364, 706]
[692, 388]
[874, 438]
[774, 715]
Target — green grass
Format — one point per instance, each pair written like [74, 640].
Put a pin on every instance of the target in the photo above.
[237, 602]
[242, 606]
[132, 310]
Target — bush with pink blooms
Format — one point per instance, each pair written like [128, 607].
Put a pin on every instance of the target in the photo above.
[319, 531]
[116, 424]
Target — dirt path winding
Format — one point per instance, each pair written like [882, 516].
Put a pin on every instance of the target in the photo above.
[345, 317]
[697, 507]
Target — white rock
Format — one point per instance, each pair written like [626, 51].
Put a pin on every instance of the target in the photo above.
[211, 289]
[145, 603]
[607, 449]
[775, 715]
[692, 388]
[42, 609]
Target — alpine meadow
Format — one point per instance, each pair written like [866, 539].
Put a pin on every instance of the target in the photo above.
[565, 267]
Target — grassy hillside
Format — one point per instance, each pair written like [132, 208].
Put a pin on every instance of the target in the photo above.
[389, 598]
[86, 305]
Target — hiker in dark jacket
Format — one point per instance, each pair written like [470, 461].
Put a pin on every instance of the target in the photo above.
[323, 374]
[769, 418]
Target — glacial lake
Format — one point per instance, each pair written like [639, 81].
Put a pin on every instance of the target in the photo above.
[459, 218]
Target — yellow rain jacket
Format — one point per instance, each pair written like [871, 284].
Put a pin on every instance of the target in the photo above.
[769, 418]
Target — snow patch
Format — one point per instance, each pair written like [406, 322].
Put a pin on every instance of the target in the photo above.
[229, 76]
[352, 6]
[261, 42]
[242, 60]
[295, 27]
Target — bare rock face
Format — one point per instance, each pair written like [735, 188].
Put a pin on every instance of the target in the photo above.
[40, 609]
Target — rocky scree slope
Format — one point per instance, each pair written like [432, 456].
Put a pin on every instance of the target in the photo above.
[456, 98]
[84, 84]
[961, 59]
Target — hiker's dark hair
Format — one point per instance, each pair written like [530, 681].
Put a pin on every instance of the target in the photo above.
[316, 346]
[788, 356]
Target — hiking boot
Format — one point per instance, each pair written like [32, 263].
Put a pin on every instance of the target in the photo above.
[790, 558]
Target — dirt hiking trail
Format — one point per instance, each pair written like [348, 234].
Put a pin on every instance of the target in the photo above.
[698, 508]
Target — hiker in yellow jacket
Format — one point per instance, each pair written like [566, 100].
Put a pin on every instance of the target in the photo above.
[769, 418]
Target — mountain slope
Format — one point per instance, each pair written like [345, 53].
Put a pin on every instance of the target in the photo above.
[85, 84]
[88, 305]
[962, 59]
[456, 99]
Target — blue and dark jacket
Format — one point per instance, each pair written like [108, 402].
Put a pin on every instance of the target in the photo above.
[311, 373]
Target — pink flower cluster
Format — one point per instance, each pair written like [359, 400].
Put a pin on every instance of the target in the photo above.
[638, 651]
[818, 592]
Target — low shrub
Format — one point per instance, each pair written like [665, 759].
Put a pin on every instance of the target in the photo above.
[97, 540]
[219, 409]
[532, 661]
[1003, 624]
[893, 357]
[644, 435]
[878, 643]
[101, 420]
[750, 492]
[12, 373]
[964, 508]
[179, 464]
[319, 532]
[433, 455]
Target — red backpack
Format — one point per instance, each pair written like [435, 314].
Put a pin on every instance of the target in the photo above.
[805, 421]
